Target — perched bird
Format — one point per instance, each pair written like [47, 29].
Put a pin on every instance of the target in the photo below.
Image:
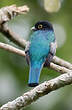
[41, 50]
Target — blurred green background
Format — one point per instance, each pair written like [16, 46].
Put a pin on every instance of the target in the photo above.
[14, 69]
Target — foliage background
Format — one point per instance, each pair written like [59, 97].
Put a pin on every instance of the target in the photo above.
[13, 68]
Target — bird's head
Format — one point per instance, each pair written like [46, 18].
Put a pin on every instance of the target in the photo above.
[42, 25]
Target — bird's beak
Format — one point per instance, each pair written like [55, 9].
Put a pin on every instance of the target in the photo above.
[33, 28]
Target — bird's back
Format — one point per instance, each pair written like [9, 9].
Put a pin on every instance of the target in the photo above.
[40, 44]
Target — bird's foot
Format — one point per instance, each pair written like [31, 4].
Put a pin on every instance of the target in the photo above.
[46, 64]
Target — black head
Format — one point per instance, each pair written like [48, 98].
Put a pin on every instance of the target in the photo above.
[43, 25]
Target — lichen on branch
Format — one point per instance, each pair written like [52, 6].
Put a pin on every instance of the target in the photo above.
[39, 91]
[6, 14]
[9, 12]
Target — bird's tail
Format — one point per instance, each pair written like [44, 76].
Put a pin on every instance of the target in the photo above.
[34, 74]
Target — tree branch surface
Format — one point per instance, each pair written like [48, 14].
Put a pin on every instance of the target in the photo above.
[8, 13]
[57, 64]
[39, 91]
[58, 68]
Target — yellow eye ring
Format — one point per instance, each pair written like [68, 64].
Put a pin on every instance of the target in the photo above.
[40, 26]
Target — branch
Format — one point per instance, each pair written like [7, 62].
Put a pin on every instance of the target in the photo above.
[6, 14]
[58, 68]
[9, 12]
[62, 62]
[12, 36]
[39, 91]
[53, 66]
[12, 49]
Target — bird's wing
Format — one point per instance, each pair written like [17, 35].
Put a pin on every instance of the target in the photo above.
[52, 52]
[27, 52]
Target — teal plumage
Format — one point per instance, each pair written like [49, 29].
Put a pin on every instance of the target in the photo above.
[39, 49]
[40, 43]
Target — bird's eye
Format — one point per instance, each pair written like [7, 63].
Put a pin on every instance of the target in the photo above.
[40, 26]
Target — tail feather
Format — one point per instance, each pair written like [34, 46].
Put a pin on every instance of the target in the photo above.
[34, 74]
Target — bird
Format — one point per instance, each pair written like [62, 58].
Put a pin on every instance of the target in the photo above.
[40, 50]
